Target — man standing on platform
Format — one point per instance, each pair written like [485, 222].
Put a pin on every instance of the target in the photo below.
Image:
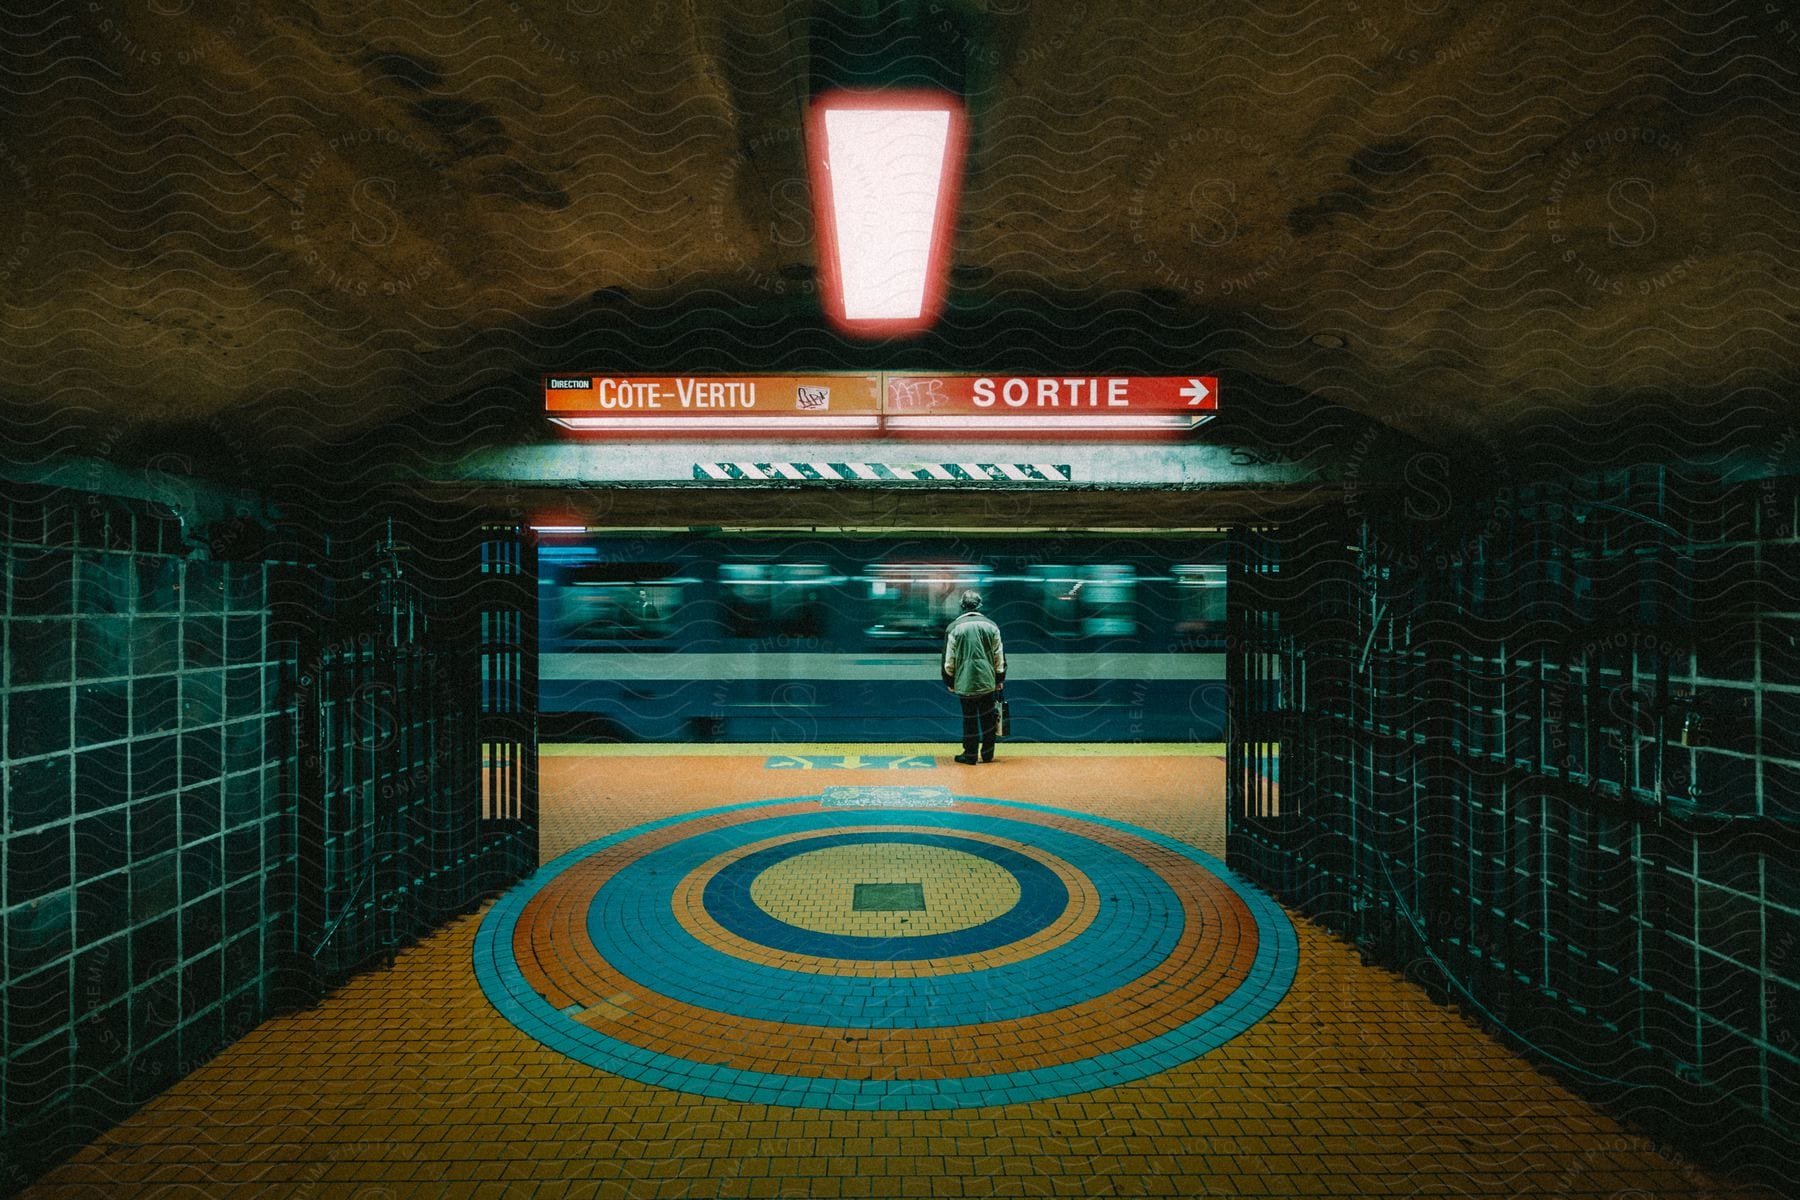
[975, 669]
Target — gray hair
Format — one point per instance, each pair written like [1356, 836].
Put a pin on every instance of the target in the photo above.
[971, 600]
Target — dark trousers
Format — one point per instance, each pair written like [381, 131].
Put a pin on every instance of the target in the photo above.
[980, 722]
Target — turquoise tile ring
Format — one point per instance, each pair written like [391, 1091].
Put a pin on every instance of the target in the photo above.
[592, 957]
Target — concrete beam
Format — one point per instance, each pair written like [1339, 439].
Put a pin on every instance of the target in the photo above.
[197, 502]
[1114, 464]
[850, 506]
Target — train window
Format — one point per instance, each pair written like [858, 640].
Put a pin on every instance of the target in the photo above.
[1200, 597]
[621, 600]
[1096, 600]
[919, 599]
[775, 599]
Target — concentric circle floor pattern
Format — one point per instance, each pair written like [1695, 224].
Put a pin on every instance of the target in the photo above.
[964, 954]
[408, 1082]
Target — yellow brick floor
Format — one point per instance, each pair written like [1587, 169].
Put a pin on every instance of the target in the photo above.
[406, 1082]
[816, 891]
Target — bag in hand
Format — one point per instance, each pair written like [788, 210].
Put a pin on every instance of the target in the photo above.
[1002, 718]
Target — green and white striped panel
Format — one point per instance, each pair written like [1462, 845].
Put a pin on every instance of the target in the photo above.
[863, 472]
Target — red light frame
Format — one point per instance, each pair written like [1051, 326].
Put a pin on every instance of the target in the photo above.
[943, 227]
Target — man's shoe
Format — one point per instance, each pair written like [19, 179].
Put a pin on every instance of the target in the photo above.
[967, 758]
[988, 757]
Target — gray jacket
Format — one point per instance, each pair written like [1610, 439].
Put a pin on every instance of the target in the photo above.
[974, 660]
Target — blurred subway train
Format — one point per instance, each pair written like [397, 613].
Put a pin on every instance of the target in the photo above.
[784, 638]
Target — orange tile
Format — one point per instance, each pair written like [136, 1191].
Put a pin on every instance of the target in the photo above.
[411, 1076]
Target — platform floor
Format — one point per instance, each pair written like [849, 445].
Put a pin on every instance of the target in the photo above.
[1328, 1078]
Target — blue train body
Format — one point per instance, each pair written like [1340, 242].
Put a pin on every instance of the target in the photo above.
[812, 639]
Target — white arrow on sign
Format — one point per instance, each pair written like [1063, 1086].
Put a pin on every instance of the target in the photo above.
[1195, 391]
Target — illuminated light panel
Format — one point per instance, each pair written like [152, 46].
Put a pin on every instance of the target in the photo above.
[1061, 424]
[886, 168]
[676, 425]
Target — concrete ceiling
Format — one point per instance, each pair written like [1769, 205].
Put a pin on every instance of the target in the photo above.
[277, 222]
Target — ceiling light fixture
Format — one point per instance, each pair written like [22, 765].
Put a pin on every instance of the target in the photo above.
[886, 171]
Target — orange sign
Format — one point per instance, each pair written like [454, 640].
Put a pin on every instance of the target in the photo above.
[785, 402]
[651, 405]
[1070, 403]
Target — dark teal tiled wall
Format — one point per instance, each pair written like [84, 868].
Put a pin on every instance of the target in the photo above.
[146, 831]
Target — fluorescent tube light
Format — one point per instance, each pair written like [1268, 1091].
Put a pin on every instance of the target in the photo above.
[886, 168]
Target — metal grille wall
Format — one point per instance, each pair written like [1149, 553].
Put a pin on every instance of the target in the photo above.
[507, 613]
[411, 805]
[1544, 755]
